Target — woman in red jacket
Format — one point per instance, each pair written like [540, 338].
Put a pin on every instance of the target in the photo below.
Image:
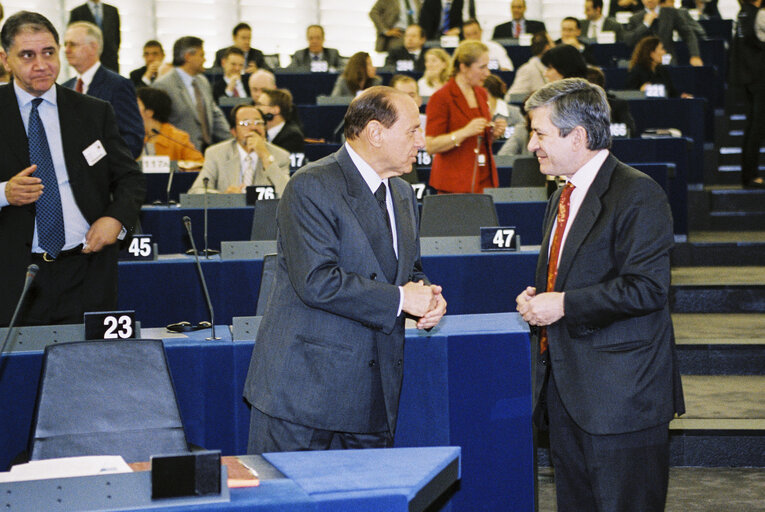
[459, 131]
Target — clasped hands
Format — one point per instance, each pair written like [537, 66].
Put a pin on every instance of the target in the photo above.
[425, 302]
[543, 309]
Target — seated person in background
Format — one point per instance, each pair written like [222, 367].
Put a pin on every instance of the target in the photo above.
[620, 109]
[695, 25]
[662, 22]
[498, 107]
[259, 81]
[517, 144]
[437, 71]
[247, 159]
[624, 6]
[316, 57]
[253, 58]
[519, 24]
[162, 138]
[530, 76]
[564, 61]
[570, 30]
[231, 83]
[498, 59]
[359, 74]
[282, 126]
[596, 22]
[411, 56]
[646, 68]
[153, 55]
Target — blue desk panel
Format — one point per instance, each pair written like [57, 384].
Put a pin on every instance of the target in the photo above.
[467, 383]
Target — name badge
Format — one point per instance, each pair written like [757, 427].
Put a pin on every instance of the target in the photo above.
[155, 164]
[481, 159]
[94, 153]
[656, 91]
[500, 238]
[404, 65]
[525, 39]
[493, 64]
[110, 325]
[319, 66]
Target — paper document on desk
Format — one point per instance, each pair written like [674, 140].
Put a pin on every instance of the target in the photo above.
[66, 467]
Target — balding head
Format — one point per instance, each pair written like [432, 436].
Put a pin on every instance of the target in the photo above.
[259, 80]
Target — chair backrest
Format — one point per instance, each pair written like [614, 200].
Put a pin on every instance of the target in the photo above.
[267, 280]
[526, 173]
[456, 214]
[106, 398]
[264, 220]
[517, 194]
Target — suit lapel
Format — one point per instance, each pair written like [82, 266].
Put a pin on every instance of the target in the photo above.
[97, 84]
[69, 117]
[459, 99]
[364, 206]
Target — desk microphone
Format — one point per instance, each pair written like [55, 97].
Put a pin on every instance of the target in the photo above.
[172, 168]
[179, 142]
[31, 273]
[206, 251]
[187, 224]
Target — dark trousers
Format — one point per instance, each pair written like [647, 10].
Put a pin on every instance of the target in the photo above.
[754, 131]
[70, 286]
[269, 434]
[606, 473]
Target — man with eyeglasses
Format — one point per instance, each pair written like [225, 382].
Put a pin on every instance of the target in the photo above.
[247, 159]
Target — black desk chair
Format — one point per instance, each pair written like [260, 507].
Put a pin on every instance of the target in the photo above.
[457, 214]
[264, 220]
[106, 398]
[526, 173]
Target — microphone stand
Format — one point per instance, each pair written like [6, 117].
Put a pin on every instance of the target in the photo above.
[206, 251]
[187, 224]
[31, 273]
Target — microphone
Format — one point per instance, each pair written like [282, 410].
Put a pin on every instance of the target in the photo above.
[31, 273]
[206, 251]
[187, 224]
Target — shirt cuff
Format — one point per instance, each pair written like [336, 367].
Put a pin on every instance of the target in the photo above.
[400, 300]
[123, 234]
[3, 200]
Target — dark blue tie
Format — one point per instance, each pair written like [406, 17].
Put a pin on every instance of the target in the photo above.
[49, 214]
[445, 25]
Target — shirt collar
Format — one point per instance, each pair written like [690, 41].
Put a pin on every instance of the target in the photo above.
[583, 178]
[186, 78]
[87, 76]
[656, 10]
[370, 176]
[274, 130]
[24, 98]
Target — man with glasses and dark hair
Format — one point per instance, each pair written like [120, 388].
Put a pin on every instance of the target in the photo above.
[607, 383]
[69, 187]
[247, 159]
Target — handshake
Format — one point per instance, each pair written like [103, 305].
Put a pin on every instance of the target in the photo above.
[425, 302]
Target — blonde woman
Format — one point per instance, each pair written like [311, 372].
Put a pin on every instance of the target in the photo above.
[437, 64]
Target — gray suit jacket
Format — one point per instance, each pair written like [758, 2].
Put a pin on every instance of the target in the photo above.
[384, 14]
[609, 25]
[184, 114]
[223, 167]
[668, 21]
[301, 60]
[330, 348]
[613, 353]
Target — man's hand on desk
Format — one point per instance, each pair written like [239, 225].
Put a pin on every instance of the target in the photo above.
[24, 188]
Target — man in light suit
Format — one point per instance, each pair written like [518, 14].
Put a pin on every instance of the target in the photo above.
[606, 379]
[305, 59]
[187, 86]
[61, 159]
[327, 366]
[107, 18]
[245, 160]
[391, 20]
[82, 46]
[662, 22]
[595, 22]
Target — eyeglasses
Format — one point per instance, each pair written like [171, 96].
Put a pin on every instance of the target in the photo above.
[251, 122]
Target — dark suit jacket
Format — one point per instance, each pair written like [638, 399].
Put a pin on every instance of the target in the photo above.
[668, 21]
[430, 17]
[609, 25]
[301, 59]
[254, 55]
[114, 186]
[119, 91]
[330, 347]
[290, 137]
[110, 26]
[136, 76]
[505, 30]
[613, 353]
[402, 53]
[219, 87]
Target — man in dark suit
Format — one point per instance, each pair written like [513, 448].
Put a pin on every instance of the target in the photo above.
[253, 58]
[231, 84]
[282, 126]
[326, 370]
[662, 22]
[595, 22]
[436, 22]
[69, 188]
[519, 24]
[107, 18]
[411, 56]
[82, 46]
[153, 55]
[316, 57]
[606, 379]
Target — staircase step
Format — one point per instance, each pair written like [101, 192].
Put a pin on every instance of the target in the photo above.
[720, 344]
[723, 248]
[735, 200]
[718, 290]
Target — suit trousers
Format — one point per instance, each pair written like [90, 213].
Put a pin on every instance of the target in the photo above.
[270, 434]
[606, 473]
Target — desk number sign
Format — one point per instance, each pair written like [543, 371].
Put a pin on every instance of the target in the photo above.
[500, 238]
[259, 193]
[140, 248]
[110, 325]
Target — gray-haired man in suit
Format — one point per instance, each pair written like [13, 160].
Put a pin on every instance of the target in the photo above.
[327, 367]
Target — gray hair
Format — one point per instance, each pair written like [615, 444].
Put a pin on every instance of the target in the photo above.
[92, 33]
[576, 102]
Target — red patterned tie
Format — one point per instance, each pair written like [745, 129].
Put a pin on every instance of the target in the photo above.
[79, 85]
[552, 264]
